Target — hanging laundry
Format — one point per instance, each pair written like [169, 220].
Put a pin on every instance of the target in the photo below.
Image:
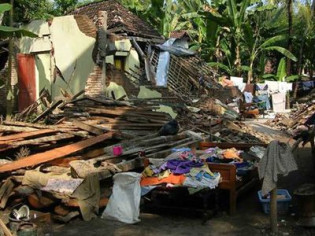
[273, 86]
[238, 81]
[277, 160]
[307, 85]
[278, 102]
[283, 87]
[261, 88]
[248, 97]
[289, 86]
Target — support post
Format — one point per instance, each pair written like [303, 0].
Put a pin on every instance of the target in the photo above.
[273, 211]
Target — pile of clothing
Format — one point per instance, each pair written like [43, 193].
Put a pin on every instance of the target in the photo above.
[181, 168]
[244, 161]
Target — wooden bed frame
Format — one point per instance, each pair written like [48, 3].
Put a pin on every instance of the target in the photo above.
[228, 173]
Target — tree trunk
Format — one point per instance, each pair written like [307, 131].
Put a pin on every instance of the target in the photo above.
[250, 72]
[238, 59]
[9, 88]
[290, 31]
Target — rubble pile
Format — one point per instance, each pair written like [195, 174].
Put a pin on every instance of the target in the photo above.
[58, 167]
[295, 119]
[238, 132]
[217, 120]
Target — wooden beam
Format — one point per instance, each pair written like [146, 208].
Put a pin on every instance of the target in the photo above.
[15, 128]
[37, 126]
[25, 135]
[5, 191]
[53, 154]
[87, 127]
[42, 140]
[5, 229]
[47, 111]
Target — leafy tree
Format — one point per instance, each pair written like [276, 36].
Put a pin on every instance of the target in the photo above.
[64, 6]
[27, 10]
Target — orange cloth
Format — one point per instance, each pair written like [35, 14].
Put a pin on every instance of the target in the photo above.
[227, 82]
[172, 179]
[231, 154]
[253, 112]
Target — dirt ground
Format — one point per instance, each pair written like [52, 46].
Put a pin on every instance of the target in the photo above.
[248, 220]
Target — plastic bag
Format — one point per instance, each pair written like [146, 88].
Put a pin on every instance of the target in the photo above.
[124, 203]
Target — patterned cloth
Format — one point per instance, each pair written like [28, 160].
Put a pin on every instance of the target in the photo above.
[62, 185]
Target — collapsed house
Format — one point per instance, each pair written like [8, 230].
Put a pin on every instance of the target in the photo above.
[62, 60]
[86, 131]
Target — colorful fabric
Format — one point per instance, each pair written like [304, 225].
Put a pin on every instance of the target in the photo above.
[231, 153]
[182, 167]
[203, 180]
[172, 179]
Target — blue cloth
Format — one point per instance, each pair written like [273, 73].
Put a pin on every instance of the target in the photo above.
[265, 98]
[307, 85]
[248, 97]
[261, 86]
[181, 149]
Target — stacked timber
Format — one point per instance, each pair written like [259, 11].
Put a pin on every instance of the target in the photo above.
[96, 115]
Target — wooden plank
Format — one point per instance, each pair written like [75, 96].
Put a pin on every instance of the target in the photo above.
[5, 191]
[54, 153]
[129, 112]
[42, 140]
[87, 127]
[47, 111]
[106, 102]
[15, 128]
[5, 229]
[38, 126]
[25, 135]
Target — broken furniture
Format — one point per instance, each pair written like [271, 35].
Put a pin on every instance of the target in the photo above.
[228, 173]
[247, 110]
[181, 199]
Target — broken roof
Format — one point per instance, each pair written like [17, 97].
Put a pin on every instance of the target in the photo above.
[119, 19]
[178, 34]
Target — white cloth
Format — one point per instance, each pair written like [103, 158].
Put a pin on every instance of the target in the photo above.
[273, 86]
[124, 203]
[62, 185]
[278, 102]
[289, 86]
[283, 87]
[238, 81]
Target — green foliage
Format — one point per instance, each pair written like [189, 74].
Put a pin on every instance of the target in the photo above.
[281, 72]
[6, 31]
[27, 10]
[4, 7]
[64, 6]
